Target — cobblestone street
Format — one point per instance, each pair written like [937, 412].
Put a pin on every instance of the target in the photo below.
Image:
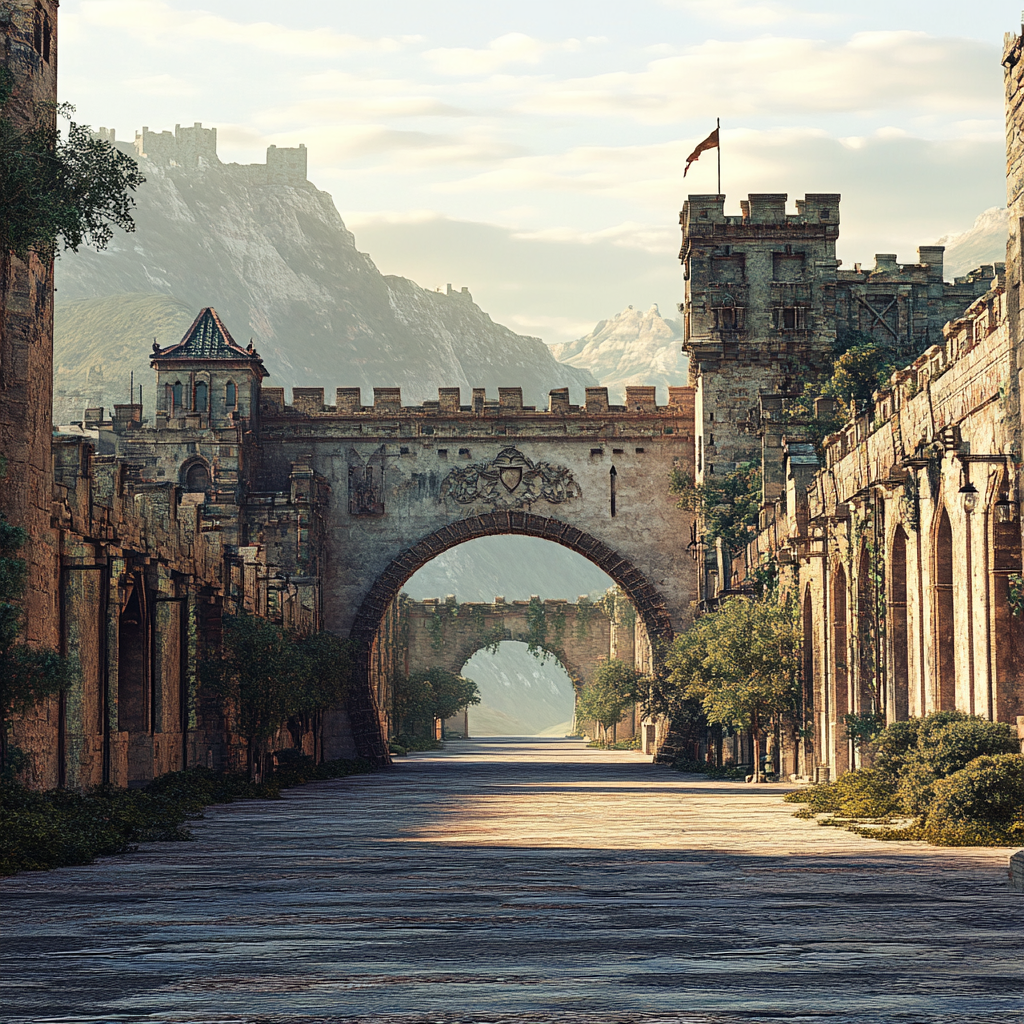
[508, 880]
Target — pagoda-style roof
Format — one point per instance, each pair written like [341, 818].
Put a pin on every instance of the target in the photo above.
[208, 338]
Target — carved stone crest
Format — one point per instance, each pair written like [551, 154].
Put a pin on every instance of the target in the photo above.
[510, 480]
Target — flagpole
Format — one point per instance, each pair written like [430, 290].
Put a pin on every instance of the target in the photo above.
[718, 128]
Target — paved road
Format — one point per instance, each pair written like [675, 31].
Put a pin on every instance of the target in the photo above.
[512, 881]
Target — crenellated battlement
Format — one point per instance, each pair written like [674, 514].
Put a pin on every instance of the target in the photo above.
[387, 402]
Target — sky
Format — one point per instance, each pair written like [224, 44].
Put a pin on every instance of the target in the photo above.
[534, 151]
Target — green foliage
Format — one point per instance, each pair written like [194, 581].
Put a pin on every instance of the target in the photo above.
[585, 612]
[39, 831]
[742, 662]
[728, 773]
[536, 628]
[70, 190]
[269, 675]
[727, 505]
[436, 693]
[959, 778]
[864, 728]
[982, 804]
[944, 748]
[28, 675]
[1016, 593]
[435, 627]
[864, 793]
[615, 687]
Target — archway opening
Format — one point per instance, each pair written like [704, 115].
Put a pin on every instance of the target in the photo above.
[899, 709]
[378, 622]
[809, 718]
[521, 694]
[840, 669]
[945, 624]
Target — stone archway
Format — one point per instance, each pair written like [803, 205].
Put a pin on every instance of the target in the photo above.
[364, 714]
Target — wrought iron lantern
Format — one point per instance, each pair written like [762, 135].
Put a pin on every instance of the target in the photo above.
[969, 496]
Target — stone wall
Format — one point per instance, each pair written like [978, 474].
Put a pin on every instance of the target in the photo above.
[28, 35]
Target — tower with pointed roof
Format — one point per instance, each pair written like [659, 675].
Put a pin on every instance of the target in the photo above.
[207, 381]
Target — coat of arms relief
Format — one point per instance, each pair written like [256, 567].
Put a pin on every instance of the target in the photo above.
[510, 480]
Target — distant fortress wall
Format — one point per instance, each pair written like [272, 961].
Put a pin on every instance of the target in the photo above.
[196, 148]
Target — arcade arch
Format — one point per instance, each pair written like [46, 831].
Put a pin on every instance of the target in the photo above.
[377, 615]
[521, 694]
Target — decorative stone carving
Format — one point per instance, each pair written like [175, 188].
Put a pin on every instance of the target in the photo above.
[511, 480]
[366, 484]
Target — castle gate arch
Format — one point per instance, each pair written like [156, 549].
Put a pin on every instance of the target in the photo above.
[579, 636]
[409, 482]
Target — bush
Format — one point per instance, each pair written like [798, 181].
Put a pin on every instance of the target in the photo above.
[982, 804]
[39, 831]
[945, 745]
[959, 776]
[865, 793]
[730, 773]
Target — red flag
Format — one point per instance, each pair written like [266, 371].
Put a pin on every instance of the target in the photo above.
[711, 142]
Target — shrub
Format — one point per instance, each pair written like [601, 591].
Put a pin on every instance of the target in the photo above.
[945, 745]
[982, 804]
[39, 831]
[864, 793]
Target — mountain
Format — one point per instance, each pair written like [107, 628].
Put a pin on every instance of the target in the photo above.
[101, 343]
[513, 567]
[520, 695]
[630, 348]
[983, 242]
[270, 252]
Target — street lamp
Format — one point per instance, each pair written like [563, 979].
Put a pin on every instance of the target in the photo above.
[1006, 510]
[969, 496]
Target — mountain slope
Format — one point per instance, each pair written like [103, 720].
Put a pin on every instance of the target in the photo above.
[102, 342]
[630, 348]
[279, 266]
[983, 242]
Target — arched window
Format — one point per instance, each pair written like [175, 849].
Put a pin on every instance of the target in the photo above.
[868, 691]
[197, 478]
[945, 625]
[202, 391]
[231, 395]
[900, 711]
[809, 684]
[840, 668]
[176, 395]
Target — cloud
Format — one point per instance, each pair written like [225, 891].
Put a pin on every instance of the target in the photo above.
[512, 48]
[778, 76]
[743, 12]
[162, 85]
[157, 23]
[402, 150]
[554, 289]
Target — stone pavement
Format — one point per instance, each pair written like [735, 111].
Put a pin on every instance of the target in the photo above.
[514, 881]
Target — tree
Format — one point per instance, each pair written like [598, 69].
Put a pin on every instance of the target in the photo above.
[271, 676]
[614, 688]
[432, 694]
[71, 190]
[322, 674]
[742, 663]
[28, 675]
[252, 671]
[727, 505]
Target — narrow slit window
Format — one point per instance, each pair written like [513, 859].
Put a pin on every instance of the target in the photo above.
[201, 395]
[231, 395]
[611, 488]
[176, 395]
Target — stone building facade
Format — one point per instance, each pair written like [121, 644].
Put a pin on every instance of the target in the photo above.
[900, 535]
[28, 50]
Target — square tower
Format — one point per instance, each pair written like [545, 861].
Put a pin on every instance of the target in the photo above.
[759, 310]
